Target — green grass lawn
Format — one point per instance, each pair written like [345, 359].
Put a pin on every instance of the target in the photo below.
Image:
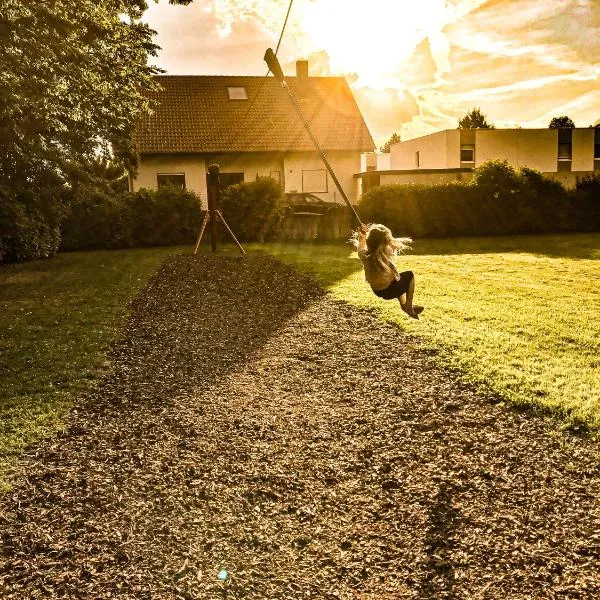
[517, 315]
[58, 317]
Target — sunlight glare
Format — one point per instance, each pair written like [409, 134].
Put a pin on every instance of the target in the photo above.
[372, 39]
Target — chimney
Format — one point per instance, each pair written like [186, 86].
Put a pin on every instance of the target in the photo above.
[301, 68]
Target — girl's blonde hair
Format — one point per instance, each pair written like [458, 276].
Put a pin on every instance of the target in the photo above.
[381, 245]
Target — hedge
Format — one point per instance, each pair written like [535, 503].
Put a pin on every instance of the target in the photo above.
[29, 223]
[254, 210]
[500, 200]
[163, 217]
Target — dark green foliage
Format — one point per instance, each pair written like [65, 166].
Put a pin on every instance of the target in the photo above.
[499, 201]
[98, 220]
[73, 79]
[561, 123]
[474, 119]
[29, 220]
[164, 217]
[253, 210]
[586, 202]
[394, 139]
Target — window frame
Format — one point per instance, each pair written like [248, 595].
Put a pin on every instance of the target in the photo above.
[237, 175]
[160, 185]
[315, 191]
[231, 94]
[467, 148]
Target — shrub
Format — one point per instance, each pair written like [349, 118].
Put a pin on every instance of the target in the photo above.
[29, 222]
[253, 210]
[500, 200]
[164, 217]
[101, 219]
[585, 200]
[97, 220]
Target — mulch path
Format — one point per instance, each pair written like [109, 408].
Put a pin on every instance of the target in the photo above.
[256, 439]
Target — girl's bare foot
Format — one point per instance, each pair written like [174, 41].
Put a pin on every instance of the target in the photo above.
[410, 312]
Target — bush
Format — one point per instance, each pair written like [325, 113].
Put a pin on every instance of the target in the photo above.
[585, 200]
[253, 210]
[97, 220]
[29, 223]
[500, 200]
[163, 217]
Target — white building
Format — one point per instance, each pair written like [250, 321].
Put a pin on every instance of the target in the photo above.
[450, 155]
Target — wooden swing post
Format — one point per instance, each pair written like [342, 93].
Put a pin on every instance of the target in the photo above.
[213, 213]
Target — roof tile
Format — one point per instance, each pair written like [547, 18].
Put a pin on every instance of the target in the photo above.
[192, 113]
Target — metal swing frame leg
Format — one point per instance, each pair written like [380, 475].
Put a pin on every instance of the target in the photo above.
[202, 228]
[219, 216]
[215, 215]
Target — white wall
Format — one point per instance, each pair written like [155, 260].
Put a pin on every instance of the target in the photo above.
[344, 163]
[251, 164]
[193, 166]
[583, 150]
[439, 150]
[290, 167]
[533, 148]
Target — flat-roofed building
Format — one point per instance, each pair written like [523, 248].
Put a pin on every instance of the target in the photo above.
[561, 154]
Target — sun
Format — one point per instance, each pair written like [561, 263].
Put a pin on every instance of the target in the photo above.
[372, 39]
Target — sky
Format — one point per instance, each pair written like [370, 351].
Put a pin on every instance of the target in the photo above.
[414, 66]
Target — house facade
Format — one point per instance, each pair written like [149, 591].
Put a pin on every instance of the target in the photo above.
[248, 126]
[451, 155]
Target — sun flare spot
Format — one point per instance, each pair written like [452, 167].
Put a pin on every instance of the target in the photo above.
[359, 39]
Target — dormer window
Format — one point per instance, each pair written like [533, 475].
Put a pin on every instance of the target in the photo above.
[237, 93]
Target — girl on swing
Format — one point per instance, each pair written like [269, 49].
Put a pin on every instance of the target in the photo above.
[375, 248]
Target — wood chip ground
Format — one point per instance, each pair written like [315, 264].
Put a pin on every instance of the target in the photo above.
[256, 439]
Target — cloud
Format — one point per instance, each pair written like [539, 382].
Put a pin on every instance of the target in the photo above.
[413, 67]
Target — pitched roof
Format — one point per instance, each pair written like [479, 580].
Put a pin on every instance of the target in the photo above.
[193, 113]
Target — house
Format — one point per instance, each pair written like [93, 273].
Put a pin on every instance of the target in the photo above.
[248, 126]
[451, 155]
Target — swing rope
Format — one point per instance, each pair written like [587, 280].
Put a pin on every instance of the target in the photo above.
[275, 68]
[262, 83]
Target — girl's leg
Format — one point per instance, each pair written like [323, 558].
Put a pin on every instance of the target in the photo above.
[406, 301]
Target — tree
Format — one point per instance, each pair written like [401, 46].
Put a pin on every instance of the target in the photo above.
[561, 123]
[73, 77]
[394, 139]
[474, 119]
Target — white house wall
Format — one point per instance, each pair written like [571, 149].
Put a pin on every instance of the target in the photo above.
[345, 164]
[583, 150]
[290, 167]
[439, 150]
[533, 148]
[252, 165]
[192, 166]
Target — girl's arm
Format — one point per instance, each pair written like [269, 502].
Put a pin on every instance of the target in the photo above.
[362, 241]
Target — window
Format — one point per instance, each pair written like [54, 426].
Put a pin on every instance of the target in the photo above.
[417, 159]
[237, 93]
[173, 179]
[276, 175]
[564, 151]
[596, 151]
[314, 180]
[467, 153]
[227, 179]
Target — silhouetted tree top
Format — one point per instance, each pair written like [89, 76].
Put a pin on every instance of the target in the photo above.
[561, 123]
[474, 119]
[81, 86]
[394, 139]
